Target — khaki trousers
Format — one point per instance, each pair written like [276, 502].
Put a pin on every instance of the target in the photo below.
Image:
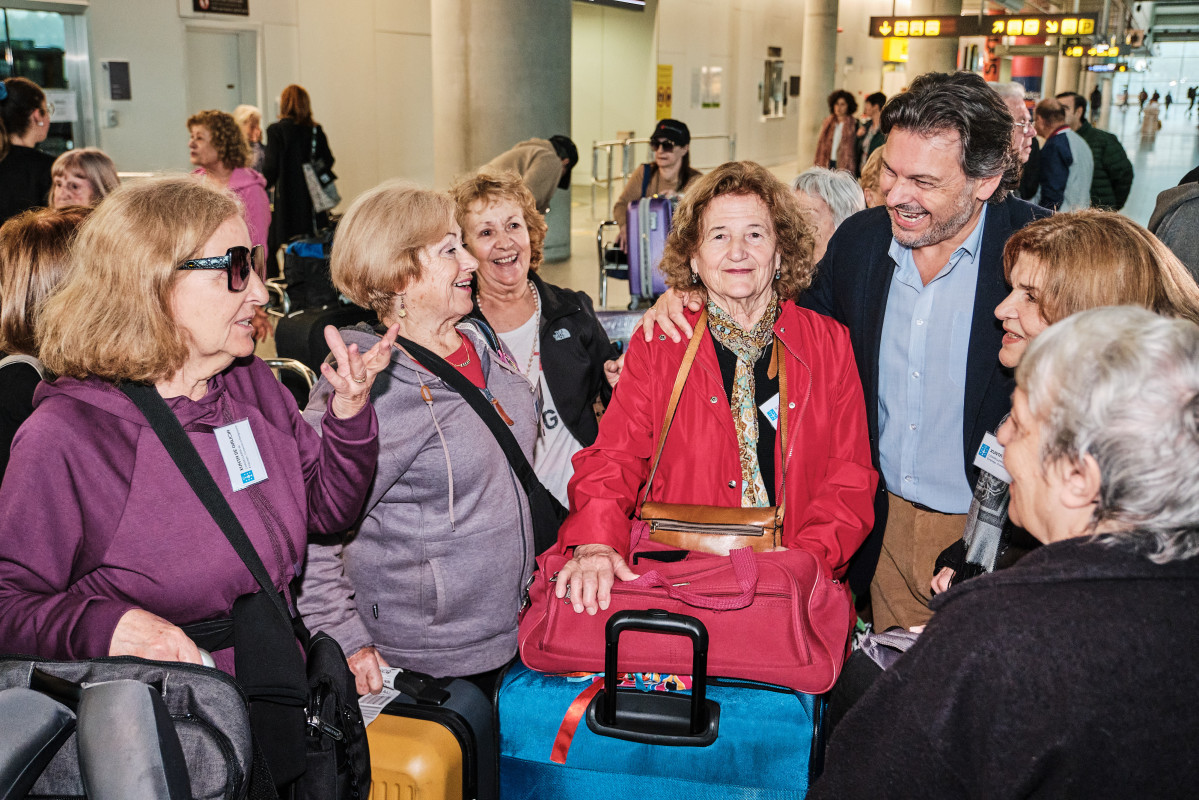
[912, 540]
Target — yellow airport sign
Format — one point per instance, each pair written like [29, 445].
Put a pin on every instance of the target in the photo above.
[1000, 25]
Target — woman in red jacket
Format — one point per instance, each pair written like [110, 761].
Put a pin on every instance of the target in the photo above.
[741, 240]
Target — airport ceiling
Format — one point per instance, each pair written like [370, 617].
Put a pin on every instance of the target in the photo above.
[1170, 20]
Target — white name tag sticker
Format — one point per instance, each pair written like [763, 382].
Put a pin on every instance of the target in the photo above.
[990, 458]
[240, 452]
[771, 409]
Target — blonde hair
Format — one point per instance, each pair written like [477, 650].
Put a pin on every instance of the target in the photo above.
[112, 314]
[488, 188]
[872, 172]
[34, 247]
[244, 113]
[793, 232]
[93, 164]
[1124, 265]
[377, 249]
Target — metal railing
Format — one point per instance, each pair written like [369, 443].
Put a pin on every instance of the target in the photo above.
[606, 151]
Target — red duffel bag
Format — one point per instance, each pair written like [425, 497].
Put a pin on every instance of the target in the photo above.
[776, 617]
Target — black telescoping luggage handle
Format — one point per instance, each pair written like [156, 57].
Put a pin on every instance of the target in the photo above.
[656, 717]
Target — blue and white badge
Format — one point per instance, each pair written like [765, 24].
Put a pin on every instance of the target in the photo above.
[989, 458]
[240, 452]
[771, 409]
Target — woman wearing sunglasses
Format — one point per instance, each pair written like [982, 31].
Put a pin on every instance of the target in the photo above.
[669, 173]
[104, 547]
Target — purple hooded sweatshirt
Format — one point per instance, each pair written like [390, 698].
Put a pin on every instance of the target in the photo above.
[250, 188]
[96, 519]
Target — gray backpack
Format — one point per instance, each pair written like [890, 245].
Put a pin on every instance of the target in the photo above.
[130, 712]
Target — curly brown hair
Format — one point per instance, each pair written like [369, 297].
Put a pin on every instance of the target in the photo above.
[493, 187]
[227, 139]
[794, 236]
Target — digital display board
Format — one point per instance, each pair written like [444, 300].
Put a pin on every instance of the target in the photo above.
[1095, 51]
[999, 25]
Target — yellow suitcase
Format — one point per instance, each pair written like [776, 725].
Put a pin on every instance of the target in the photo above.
[413, 758]
[435, 741]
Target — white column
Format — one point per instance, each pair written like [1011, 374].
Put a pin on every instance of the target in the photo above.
[1068, 70]
[819, 70]
[932, 55]
[1049, 76]
[501, 72]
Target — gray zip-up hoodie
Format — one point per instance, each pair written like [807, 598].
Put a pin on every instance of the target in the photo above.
[435, 573]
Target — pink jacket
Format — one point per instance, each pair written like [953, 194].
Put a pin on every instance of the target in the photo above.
[830, 479]
[250, 188]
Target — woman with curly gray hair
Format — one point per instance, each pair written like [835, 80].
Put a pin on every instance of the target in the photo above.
[1029, 680]
[742, 243]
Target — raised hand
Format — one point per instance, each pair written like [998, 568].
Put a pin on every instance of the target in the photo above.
[355, 372]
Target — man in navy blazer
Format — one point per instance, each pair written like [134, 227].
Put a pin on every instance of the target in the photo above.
[917, 282]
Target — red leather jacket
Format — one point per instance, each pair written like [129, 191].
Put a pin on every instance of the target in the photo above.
[830, 479]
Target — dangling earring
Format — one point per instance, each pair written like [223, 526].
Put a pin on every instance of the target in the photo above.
[694, 277]
[402, 311]
[778, 273]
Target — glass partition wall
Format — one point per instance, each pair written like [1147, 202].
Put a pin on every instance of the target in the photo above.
[50, 49]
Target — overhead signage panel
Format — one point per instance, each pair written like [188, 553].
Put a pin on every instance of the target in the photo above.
[1004, 25]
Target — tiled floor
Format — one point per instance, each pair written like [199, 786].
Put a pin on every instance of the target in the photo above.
[1158, 162]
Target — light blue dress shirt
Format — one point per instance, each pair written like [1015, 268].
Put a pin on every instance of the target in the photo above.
[922, 377]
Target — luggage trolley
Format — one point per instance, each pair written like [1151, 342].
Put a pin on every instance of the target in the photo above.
[649, 224]
[613, 263]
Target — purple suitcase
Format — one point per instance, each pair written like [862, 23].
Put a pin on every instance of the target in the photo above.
[648, 225]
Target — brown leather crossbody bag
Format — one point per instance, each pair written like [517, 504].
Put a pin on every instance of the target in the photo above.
[716, 529]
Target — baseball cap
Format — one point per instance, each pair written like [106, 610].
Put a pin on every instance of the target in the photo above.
[672, 130]
[565, 148]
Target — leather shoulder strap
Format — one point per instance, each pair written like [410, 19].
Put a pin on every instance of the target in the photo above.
[701, 328]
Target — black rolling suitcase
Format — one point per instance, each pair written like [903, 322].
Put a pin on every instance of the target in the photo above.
[435, 740]
[306, 271]
[301, 335]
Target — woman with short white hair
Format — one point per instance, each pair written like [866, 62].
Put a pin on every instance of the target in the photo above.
[829, 197]
[1069, 674]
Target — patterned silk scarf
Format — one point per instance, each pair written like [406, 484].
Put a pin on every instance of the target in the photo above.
[748, 347]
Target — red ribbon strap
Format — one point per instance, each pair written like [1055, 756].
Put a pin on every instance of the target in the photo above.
[570, 722]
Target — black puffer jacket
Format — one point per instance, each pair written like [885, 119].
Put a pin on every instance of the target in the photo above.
[1112, 180]
[574, 347]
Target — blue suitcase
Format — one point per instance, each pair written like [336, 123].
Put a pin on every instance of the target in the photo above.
[722, 739]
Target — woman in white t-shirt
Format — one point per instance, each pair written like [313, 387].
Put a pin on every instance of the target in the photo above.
[552, 333]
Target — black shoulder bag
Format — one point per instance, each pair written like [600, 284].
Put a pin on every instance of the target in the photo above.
[309, 728]
[546, 511]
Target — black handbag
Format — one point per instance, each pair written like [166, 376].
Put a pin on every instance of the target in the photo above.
[308, 727]
[544, 508]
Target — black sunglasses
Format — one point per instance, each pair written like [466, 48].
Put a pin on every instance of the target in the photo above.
[661, 144]
[238, 261]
